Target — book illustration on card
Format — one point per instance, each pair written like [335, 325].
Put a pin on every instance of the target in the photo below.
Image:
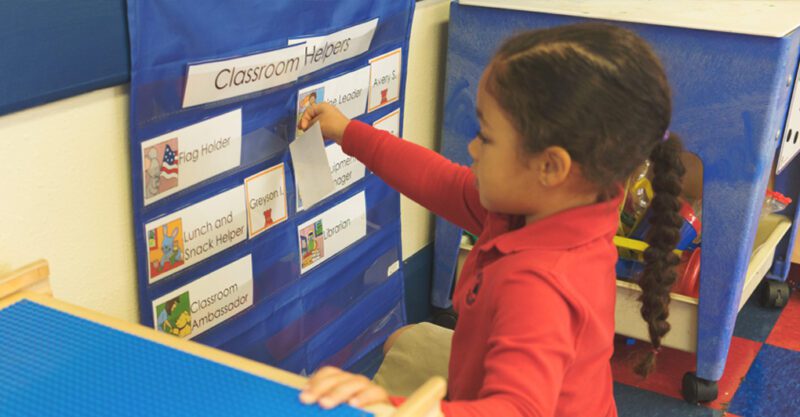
[160, 167]
[312, 243]
[166, 247]
[306, 99]
[175, 316]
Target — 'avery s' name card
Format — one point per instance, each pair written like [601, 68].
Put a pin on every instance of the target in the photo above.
[310, 162]
[322, 51]
[188, 236]
[385, 79]
[332, 231]
[184, 157]
[207, 301]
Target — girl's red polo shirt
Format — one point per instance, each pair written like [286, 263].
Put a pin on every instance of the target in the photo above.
[535, 302]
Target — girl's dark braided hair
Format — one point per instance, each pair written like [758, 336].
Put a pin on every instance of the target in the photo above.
[600, 92]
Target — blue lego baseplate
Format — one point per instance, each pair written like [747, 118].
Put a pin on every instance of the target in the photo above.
[56, 364]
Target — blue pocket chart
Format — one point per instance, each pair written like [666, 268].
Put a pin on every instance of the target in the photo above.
[227, 255]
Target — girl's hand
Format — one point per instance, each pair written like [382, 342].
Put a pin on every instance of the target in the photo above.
[332, 386]
[331, 121]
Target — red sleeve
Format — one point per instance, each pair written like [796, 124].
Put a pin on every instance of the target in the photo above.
[441, 186]
[398, 401]
[530, 348]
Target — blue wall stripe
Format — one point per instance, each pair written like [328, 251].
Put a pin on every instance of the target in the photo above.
[53, 49]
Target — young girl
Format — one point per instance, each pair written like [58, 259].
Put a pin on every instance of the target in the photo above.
[566, 114]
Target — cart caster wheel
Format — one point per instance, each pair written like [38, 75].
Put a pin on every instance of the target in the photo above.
[697, 390]
[445, 318]
[774, 294]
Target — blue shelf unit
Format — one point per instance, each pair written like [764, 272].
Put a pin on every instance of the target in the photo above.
[730, 102]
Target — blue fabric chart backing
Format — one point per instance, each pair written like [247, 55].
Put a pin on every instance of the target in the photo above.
[298, 318]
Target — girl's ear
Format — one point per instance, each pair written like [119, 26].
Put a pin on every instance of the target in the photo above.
[553, 166]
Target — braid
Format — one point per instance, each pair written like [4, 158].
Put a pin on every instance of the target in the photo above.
[659, 274]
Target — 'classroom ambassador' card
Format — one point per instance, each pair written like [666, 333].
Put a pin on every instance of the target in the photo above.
[332, 231]
[184, 157]
[207, 301]
[197, 232]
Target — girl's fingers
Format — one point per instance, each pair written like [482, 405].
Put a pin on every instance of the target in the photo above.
[307, 118]
[321, 382]
[344, 390]
[371, 395]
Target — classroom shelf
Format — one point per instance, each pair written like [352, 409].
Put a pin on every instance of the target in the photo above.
[683, 309]
[732, 82]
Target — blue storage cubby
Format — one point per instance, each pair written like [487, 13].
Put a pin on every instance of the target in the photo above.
[732, 81]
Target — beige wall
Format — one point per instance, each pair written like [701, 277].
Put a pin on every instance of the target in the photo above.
[423, 109]
[65, 193]
[796, 253]
[66, 197]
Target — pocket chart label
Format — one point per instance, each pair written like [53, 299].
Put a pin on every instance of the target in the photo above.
[345, 170]
[347, 92]
[332, 231]
[206, 302]
[322, 51]
[214, 81]
[197, 232]
[184, 157]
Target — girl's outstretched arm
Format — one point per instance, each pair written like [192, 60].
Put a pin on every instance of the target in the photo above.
[444, 187]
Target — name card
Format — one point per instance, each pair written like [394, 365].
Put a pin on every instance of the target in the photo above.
[389, 123]
[385, 79]
[266, 199]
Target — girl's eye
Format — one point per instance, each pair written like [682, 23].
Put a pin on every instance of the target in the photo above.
[482, 137]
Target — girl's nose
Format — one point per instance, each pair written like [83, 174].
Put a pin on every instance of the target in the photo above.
[472, 148]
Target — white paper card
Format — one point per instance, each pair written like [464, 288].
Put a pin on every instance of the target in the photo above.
[214, 81]
[184, 157]
[188, 236]
[385, 79]
[322, 51]
[389, 123]
[311, 174]
[347, 92]
[332, 231]
[345, 170]
[266, 199]
[206, 302]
